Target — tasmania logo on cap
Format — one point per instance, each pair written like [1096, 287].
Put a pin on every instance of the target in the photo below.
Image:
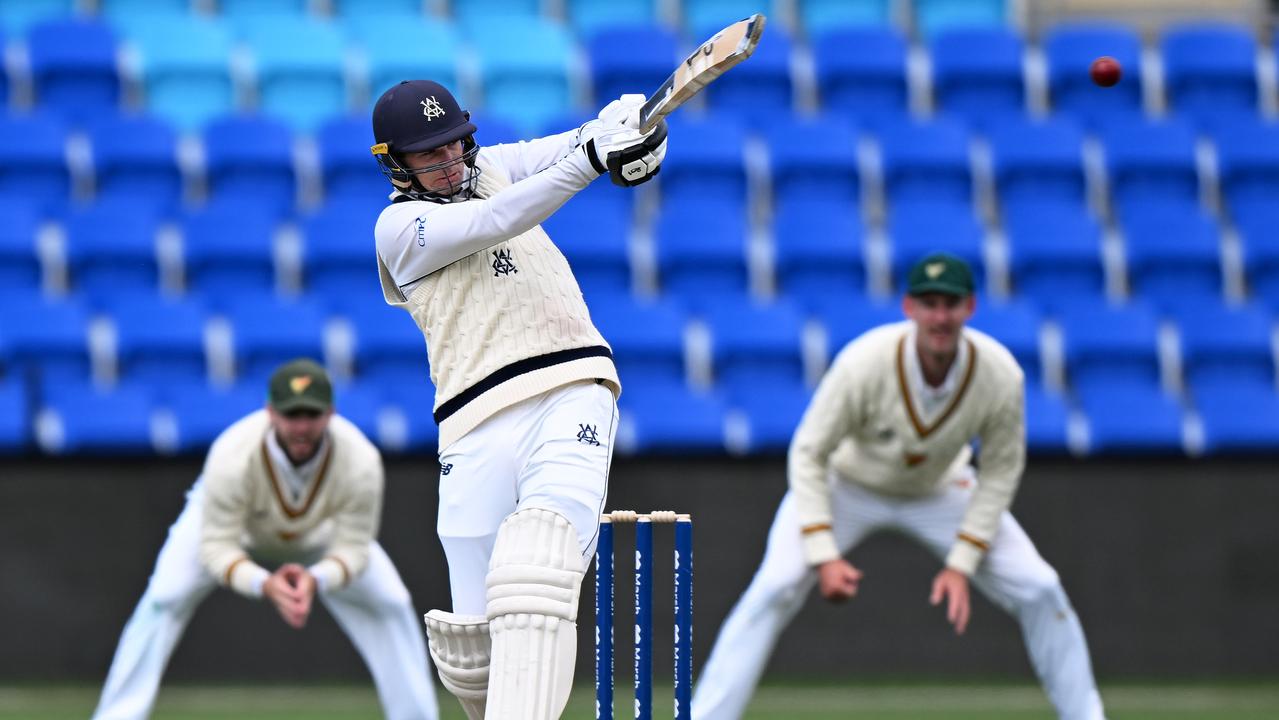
[932, 270]
[431, 108]
[299, 384]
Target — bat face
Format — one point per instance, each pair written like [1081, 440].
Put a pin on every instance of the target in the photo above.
[727, 48]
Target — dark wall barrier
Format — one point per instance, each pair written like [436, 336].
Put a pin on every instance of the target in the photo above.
[1170, 563]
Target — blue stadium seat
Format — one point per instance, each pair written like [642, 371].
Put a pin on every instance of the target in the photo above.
[917, 229]
[845, 318]
[861, 72]
[1109, 345]
[33, 163]
[934, 16]
[1247, 163]
[630, 59]
[925, 161]
[347, 170]
[509, 11]
[228, 248]
[1070, 48]
[1038, 162]
[269, 330]
[73, 67]
[244, 13]
[1238, 417]
[185, 67]
[772, 414]
[648, 424]
[159, 339]
[1223, 344]
[300, 70]
[977, 72]
[19, 263]
[389, 347]
[201, 411]
[121, 13]
[1131, 418]
[1259, 232]
[1174, 255]
[250, 158]
[1054, 253]
[84, 418]
[705, 159]
[1016, 326]
[391, 10]
[362, 404]
[15, 416]
[813, 157]
[760, 90]
[1210, 70]
[1047, 417]
[647, 337]
[414, 401]
[1151, 161]
[701, 249]
[526, 66]
[495, 130]
[590, 17]
[338, 252]
[755, 344]
[594, 234]
[17, 17]
[702, 14]
[111, 248]
[47, 339]
[135, 158]
[819, 251]
[398, 48]
[817, 16]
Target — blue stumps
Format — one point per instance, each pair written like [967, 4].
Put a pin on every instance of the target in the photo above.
[604, 622]
[683, 618]
[643, 619]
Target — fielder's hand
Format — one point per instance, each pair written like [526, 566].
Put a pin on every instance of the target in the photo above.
[953, 585]
[291, 589]
[838, 579]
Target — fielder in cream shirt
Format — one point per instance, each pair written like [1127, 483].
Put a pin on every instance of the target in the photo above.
[295, 488]
[885, 444]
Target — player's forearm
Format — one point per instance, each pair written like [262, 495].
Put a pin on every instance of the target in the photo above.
[529, 157]
[1003, 458]
[232, 567]
[457, 230]
[348, 554]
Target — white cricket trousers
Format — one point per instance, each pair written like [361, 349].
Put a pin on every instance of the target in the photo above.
[375, 611]
[1012, 575]
[551, 451]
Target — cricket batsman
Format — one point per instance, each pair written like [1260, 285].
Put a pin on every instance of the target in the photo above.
[525, 385]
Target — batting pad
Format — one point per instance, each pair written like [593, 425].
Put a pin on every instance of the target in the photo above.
[460, 650]
[535, 576]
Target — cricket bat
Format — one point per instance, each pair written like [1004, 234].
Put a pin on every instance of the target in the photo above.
[713, 58]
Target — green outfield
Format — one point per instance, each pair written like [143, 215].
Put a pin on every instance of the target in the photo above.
[773, 702]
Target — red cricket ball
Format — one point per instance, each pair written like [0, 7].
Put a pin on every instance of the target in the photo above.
[1105, 71]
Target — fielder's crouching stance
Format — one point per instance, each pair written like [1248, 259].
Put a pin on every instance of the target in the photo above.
[296, 487]
[525, 385]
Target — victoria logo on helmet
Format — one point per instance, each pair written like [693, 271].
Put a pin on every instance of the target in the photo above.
[431, 108]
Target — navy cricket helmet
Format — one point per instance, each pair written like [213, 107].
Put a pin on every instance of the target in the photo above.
[418, 116]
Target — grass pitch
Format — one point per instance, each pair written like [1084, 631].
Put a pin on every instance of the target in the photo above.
[772, 702]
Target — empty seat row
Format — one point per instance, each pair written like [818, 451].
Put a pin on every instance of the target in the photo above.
[928, 16]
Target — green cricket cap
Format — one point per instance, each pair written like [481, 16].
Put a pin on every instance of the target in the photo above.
[940, 272]
[300, 384]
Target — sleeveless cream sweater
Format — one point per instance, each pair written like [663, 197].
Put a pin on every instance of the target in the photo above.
[502, 325]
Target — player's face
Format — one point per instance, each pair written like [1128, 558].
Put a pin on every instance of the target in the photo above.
[939, 319]
[445, 178]
[299, 432]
